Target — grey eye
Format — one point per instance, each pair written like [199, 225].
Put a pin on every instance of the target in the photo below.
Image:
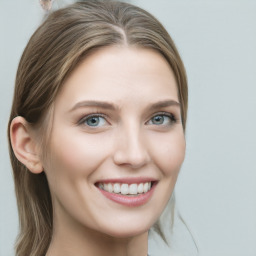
[95, 121]
[162, 119]
[158, 119]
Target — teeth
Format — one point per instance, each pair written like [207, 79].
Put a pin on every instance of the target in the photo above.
[140, 188]
[133, 189]
[145, 188]
[110, 188]
[117, 188]
[125, 189]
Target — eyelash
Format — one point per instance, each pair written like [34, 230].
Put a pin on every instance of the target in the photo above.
[87, 117]
[165, 114]
[96, 115]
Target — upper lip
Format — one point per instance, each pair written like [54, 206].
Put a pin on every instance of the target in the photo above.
[128, 180]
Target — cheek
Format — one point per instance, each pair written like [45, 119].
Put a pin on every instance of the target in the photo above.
[169, 154]
[75, 154]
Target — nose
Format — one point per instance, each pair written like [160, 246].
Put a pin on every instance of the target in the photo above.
[131, 148]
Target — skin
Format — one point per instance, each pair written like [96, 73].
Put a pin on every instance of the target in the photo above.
[126, 142]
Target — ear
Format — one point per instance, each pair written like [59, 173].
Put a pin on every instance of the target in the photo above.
[24, 145]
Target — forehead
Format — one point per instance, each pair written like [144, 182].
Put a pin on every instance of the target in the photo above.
[118, 72]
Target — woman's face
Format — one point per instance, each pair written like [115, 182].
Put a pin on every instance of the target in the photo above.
[117, 132]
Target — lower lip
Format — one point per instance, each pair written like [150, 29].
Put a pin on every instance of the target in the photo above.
[130, 201]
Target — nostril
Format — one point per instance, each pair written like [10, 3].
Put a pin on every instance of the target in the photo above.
[131, 147]
[134, 160]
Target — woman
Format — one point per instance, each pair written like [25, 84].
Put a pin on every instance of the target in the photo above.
[96, 130]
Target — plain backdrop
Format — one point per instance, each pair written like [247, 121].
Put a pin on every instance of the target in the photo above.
[216, 190]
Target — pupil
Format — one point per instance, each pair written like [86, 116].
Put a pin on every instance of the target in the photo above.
[93, 121]
[158, 119]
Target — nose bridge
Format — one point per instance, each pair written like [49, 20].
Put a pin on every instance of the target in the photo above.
[131, 147]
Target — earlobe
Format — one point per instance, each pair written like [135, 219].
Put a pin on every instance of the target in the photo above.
[24, 145]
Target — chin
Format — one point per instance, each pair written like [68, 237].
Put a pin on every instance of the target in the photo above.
[128, 229]
[122, 234]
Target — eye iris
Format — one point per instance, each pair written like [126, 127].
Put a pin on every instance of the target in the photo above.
[93, 121]
[158, 119]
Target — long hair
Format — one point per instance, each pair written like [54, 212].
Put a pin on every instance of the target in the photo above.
[62, 41]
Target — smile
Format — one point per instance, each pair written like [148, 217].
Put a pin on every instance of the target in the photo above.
[128, 193]
[126, 189]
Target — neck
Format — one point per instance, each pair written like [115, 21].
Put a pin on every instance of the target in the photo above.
[79, 240]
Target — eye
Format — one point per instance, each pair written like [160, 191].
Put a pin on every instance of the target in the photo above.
[162, 119]
[94, 121]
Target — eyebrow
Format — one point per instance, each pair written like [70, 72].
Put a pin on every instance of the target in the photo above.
[94, 103]
[110, 106]
[163, 104]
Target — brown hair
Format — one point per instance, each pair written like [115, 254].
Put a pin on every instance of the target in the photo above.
[54, 50]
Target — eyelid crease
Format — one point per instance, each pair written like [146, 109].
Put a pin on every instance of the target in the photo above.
[164, 113]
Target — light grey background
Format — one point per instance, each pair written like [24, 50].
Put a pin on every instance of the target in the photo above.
[216, 190]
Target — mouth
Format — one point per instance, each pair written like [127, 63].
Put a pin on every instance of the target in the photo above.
[128, 193]
[133, 189]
